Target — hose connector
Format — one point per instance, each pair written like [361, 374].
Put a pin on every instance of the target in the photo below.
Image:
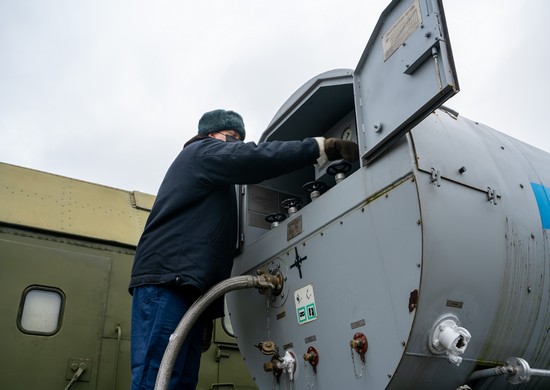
[450, 338]
[267, 347]
[270, 284]
[516, 370]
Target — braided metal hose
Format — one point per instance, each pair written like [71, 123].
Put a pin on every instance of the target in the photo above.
[516, 370]
[182, 330]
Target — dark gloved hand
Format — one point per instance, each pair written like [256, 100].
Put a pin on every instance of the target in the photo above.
[337, 149]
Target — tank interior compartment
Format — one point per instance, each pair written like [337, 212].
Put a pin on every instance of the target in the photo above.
[323, 107]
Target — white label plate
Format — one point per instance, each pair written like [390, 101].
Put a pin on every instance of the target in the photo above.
[304, 300]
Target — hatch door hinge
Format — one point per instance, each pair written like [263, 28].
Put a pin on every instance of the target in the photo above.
[435, 177]
[492, 195]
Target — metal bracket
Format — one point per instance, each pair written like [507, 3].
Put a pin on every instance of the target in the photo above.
[220, 354]
[75, 364]
[492, 195]
[218, 385]
[435, 177]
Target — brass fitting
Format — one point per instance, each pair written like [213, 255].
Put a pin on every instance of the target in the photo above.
[312, 357]
[270, 283]
[269, 366]
[360, 344]
[267, 347]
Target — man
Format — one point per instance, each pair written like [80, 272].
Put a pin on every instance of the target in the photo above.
[188, 243]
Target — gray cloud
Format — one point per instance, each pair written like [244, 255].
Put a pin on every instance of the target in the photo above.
[108, 91]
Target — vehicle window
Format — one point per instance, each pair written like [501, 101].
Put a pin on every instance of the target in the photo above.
[40, 310]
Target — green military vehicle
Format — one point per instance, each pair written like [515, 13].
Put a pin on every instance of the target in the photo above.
[66, 250]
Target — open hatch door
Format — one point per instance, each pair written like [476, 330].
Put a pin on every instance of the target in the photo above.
[406, 72]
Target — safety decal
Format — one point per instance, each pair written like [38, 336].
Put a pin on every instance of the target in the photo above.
[306, 311]
[542, 194]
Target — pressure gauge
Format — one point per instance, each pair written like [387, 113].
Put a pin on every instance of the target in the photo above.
[347, 134]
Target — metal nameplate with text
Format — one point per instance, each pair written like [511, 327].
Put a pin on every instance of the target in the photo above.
[294, 228]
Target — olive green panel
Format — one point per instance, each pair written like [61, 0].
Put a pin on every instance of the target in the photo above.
[94, 278]
[220, 335]
[208, 372]
[143, 201]
[109, 351]
[119, 308]
[222, 366]
[118, 313]
[41, 362]
[233, 370]
[41, 200]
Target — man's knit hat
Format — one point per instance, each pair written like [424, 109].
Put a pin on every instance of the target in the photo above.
[218, 120]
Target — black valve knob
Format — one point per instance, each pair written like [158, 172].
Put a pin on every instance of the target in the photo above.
[276, 217]
[291, 203]
[315, 189]
[339, 167]
[317, 185]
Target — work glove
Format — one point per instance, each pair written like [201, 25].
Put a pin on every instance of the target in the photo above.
[337, 149]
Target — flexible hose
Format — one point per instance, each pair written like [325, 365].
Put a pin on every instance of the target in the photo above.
[490, 372]
[182, 330]
[520, 373]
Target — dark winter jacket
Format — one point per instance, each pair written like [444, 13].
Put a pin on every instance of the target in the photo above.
[191, 233]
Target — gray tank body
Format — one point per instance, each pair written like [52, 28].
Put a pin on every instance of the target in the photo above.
[425, 262]
[445, 233]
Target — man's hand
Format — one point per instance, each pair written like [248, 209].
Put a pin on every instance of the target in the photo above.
[336, 149]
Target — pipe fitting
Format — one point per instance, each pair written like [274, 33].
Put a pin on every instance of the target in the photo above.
[267, 347]
[448, 337]
[270, 283]
[516, 370]
[288, 364]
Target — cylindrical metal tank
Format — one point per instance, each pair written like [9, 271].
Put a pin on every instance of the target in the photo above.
[418, 269]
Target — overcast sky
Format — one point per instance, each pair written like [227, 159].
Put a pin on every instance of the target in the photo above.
[109, 90]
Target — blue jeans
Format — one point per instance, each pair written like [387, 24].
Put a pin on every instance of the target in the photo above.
[156, 312]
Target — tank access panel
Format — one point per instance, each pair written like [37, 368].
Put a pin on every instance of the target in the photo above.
[406, 71]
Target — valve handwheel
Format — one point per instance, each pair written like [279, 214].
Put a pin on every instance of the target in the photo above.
[339, 167]
[291, 202]
[315, 186]
[276, 217]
